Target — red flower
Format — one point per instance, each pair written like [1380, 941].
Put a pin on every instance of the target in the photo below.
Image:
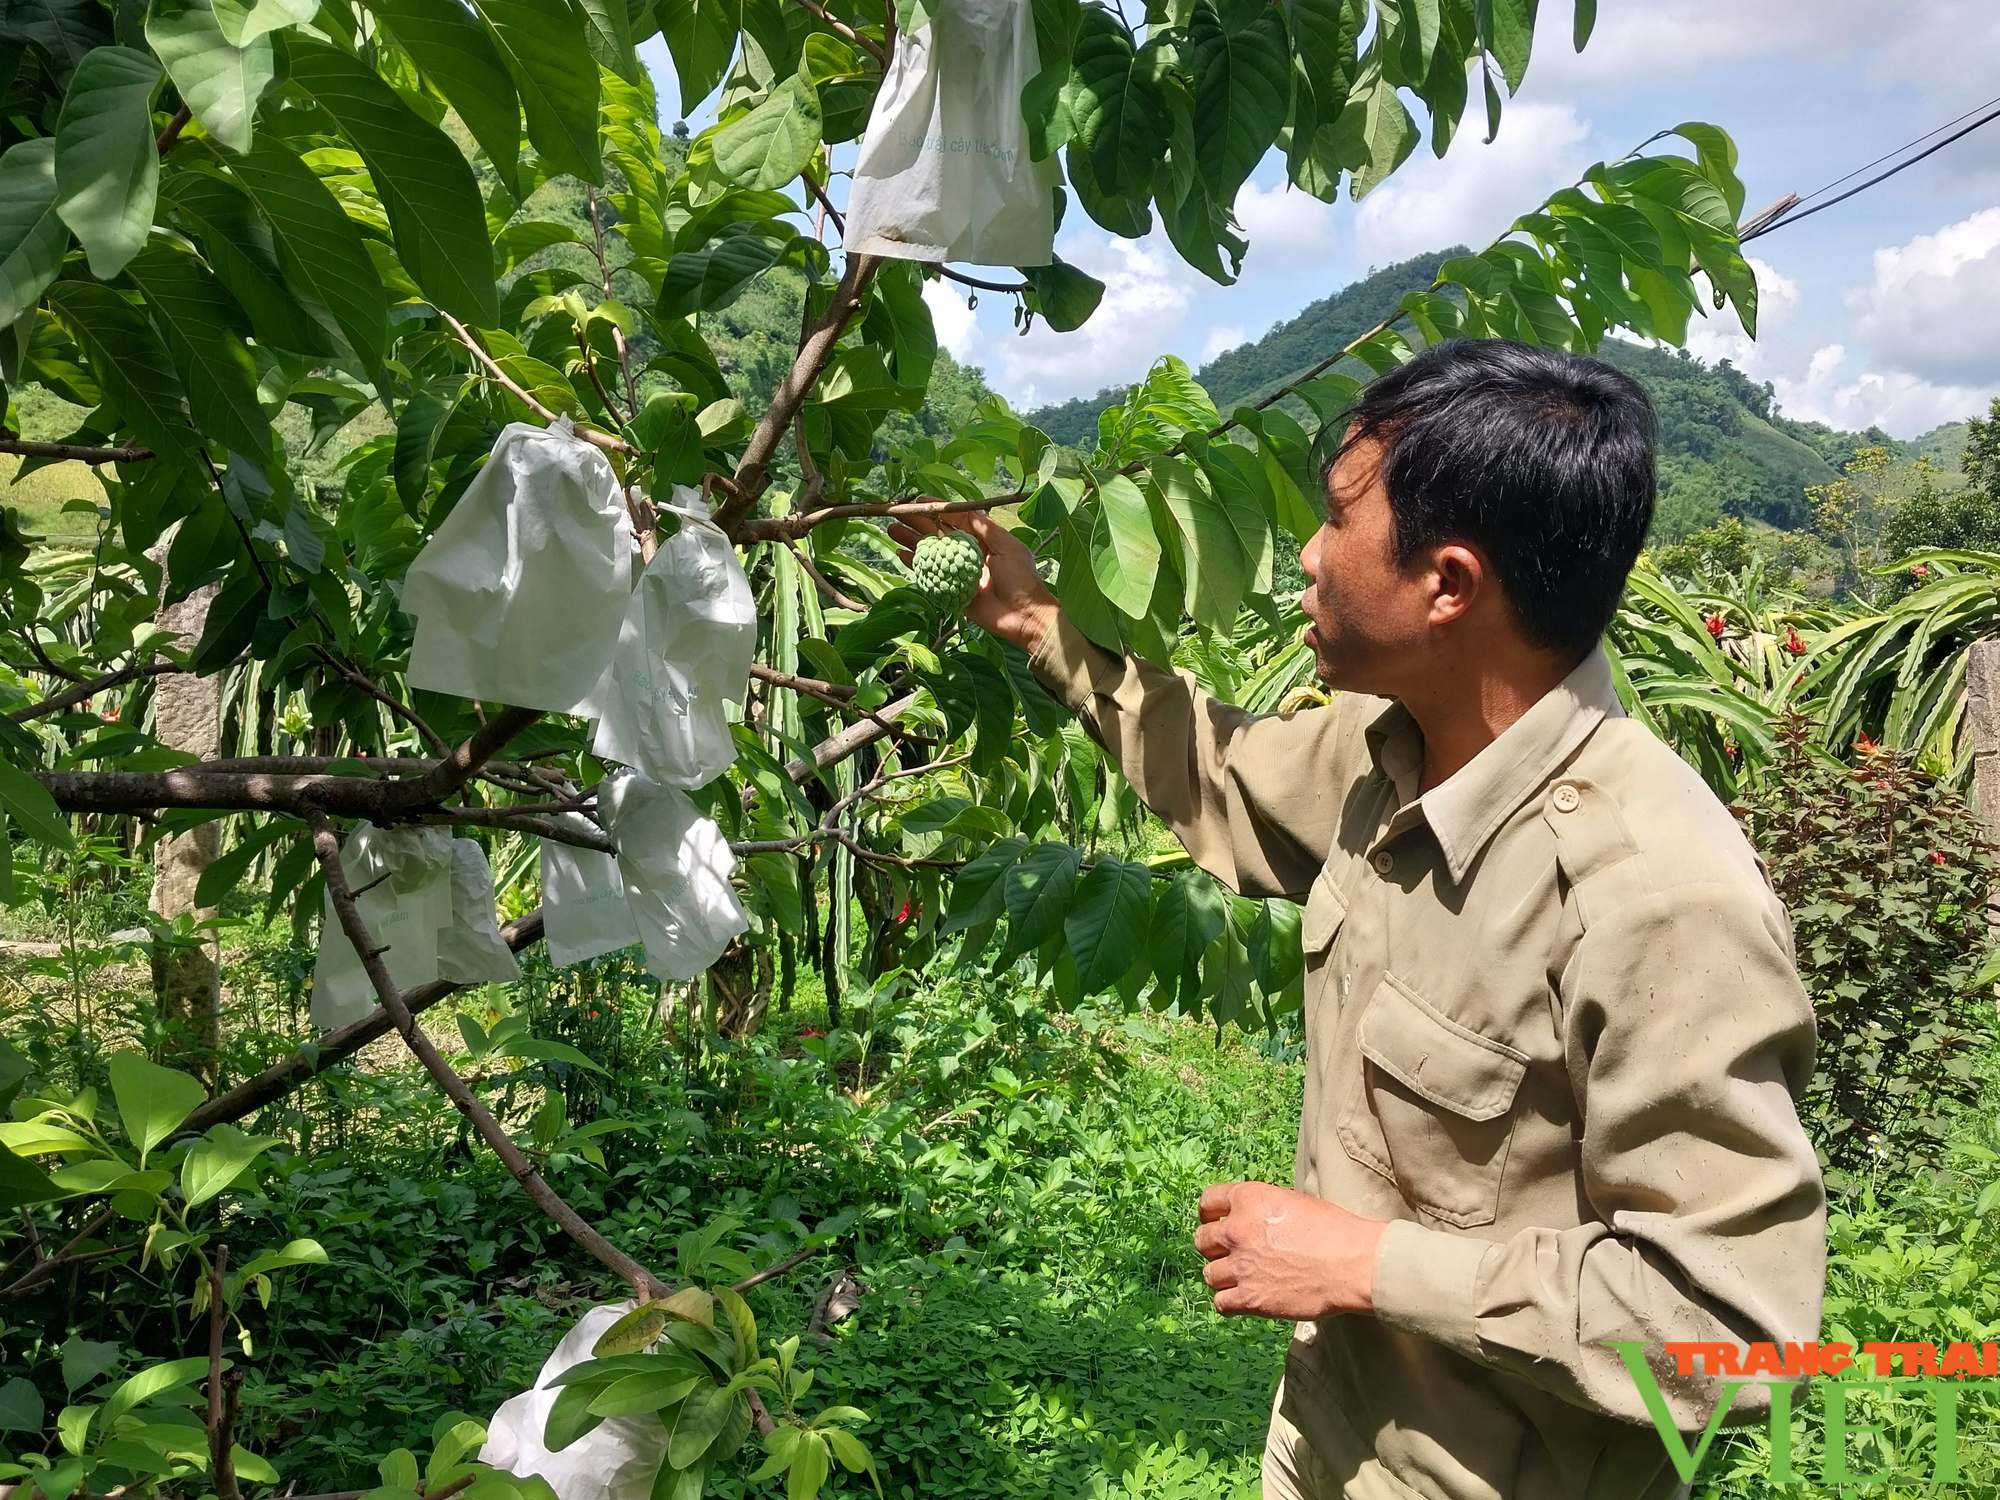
[111, 714]
[1865, 745]
[1715, 624]
[1918, 570]
[1937, 856]
[812, 1032]
[1793, 644]
[904, 914]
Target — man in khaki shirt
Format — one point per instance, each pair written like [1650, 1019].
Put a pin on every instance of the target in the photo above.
[1553, 1031]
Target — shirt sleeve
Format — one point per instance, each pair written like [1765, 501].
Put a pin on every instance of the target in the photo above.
[1687, 1038]
[1255, 799]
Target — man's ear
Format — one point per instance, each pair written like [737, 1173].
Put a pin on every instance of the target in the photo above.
[1461, 580]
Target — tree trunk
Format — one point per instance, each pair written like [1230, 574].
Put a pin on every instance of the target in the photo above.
[187, 982]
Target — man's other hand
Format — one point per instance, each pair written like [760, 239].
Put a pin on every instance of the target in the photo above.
[1012, 603]
[1274, 1253]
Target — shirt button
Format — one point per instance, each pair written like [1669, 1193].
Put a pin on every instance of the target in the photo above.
[1384, 862]
[1567, 798]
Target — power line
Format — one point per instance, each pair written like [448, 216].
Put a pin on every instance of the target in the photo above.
[1891, 155]
[1794, 217]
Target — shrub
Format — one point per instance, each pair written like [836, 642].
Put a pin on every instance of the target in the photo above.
[1886, 876]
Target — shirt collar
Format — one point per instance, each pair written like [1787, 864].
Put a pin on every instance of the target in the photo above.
[1466, 809]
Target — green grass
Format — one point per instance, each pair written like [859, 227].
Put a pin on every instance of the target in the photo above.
[42, 495]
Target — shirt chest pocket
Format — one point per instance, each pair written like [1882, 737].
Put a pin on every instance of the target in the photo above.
[1431, 1106]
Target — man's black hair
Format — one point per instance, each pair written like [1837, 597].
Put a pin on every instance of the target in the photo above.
[1541, 459]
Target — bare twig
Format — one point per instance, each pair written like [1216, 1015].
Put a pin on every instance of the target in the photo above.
[26, 449]
[221, 1436]
[836, 693]
[168, 139]
[1011, 288]
[41, 655]
[513, 388]
[326, 844]
[866, 43]
[83, 692]
[617, 333]
[821, 582]
[792, 527]
[518, 822]
[815, 351]
[876, 726]
[69, 1255]
[770, 1273]
[354, 677]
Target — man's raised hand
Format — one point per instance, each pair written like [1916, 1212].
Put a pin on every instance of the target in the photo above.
[1012, 603]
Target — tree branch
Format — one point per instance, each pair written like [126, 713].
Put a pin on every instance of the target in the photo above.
[326, 844]
[168, 139]
[463, 763]
[791, 528]
[513, 388]
[836, 693]
[26, 449]
[221, 1435]
[821, 582]
[866, 43]
[815, 351]
[69, 1255]
[851, 739]
[354, 677]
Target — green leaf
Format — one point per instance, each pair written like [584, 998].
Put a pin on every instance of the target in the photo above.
[198, 321]
[544, 47]
[632, 1333]
[1121, 119]
[849, 1449]
[1106, 927]
[295, 1253]
[701, 36]
[1236, 479]
[152, 1100]
[699, 1423]
[458, 55]
[771, 145]
[808, 1470]
[219, 83]
[29, 804]
[1375, 134]
[320, 249]
[131, 365]
[21, 1405]
[1045, 97]
[1242, 90]
[243, 23]
[607, 32]
[1585, 22]
[22, 1183]
[976, 893]
[1217, 571]
[1186, 919]
[239, 249]
[107, 170]
[32, 236]
[1126, 555]
[549, 1051]
[432, 199]
[1036, 892]
[150, 1382]
[217, 1160]
[652, 1391]
[711, 278]
[1064, 295]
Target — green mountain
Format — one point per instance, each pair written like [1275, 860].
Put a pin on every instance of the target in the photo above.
[1724, 449]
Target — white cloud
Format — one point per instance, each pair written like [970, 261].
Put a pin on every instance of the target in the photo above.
[1477, 190]
[1933, 309]
[957, 325]
[1222, 336]
[1284, 225]
[1147, 288]
[1719, 336]
[1901, 404]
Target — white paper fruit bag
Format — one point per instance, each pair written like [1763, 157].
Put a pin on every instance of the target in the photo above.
[944, 172]
[427, 900]
[668, 887]
[617, 1460]
[519, 595]
[689, 635]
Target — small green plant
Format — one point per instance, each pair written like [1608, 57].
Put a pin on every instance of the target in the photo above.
[1886, 875]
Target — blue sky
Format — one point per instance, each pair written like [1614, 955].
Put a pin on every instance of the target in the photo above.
[1884, 309]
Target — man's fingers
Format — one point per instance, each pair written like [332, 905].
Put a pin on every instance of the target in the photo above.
[1219, 1274]
[1215, 1200]
[1234, 1302]
[1212, 1240]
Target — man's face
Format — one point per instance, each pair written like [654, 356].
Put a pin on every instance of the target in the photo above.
[1370, 615]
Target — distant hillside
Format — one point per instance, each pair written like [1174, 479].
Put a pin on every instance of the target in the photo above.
[1252, 370]
[1725, 449]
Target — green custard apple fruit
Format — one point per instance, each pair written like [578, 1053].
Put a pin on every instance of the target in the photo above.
[946, 568]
